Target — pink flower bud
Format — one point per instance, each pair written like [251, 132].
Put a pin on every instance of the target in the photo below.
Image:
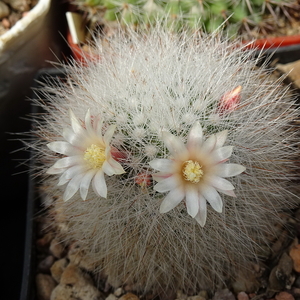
[143, 179]
[117, 154]
[230, 100]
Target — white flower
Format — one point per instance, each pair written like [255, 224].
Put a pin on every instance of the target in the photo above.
[88, 157]
[195, 172]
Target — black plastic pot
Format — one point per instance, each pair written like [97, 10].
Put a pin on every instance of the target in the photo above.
[28, 291]
[282, 55]
[14, 110]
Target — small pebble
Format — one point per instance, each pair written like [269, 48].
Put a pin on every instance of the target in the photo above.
[127, 287]
[284, 296]
[45, 240]
[4, 10]
[45, 265]
[282, 239]
[180, 295]
[76, 292]
[62, 292]
[25, 13]
[45, 284]
[14, 18]
[58, 268]
[118, 292]
[111, 297]
[223, 295]
[57, 248]
[295, 255]
[246, 282]
[197, 297]
[73, 275]
[129, 296]
[281, 276]
[19, 5]
[77, 257]
[81, 283]
[242, 296]
[5, 23]
[203, 294]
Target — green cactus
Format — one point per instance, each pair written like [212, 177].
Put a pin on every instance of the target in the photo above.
[234, 15]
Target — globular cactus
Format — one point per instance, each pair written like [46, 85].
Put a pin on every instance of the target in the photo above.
[243, 17]
[169, 159]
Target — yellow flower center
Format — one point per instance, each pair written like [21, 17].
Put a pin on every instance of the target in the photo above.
[94, 156]
[192, 171]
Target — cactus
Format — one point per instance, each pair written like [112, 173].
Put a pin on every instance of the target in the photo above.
[242, 17]
[169, 160]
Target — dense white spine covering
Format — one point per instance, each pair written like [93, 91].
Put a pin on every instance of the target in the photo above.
[145, 84]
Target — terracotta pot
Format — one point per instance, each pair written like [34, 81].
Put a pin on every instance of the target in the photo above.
[79, 53]
[276, 42]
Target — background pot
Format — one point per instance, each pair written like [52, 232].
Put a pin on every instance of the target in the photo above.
[277, 42]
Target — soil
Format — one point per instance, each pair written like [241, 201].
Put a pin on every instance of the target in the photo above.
[278, 278]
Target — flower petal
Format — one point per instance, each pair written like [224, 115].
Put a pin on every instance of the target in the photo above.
[171, 200]
[109, 134]
[76, 126]
[70, 173]
[53, 170]
[108, 169]
[175, 145]
[166, 185]
[221, 138]
[229, 192]
[209, 144]
[222, 153]
[202, 213]
[99, 184]
[195, 136]
[72, 187]
[220, 183]
[213, 197]
[160, 176]
[98, 123]
[68, 161]
[85, 183]
[88, 123]
[192, 203]
[161, 164]
[72, 138]
[118, 169]
[229, 170]
[63, 148]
